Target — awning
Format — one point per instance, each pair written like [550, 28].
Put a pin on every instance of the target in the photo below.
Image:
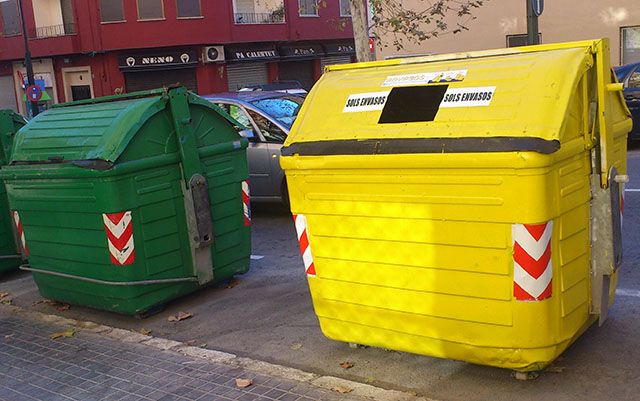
[251, 53]
[301, 51]
[347, 48]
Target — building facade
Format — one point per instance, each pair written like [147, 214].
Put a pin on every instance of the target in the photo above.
[502, 23]
[91, 48]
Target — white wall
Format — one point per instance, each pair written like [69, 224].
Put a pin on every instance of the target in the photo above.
[561, 21]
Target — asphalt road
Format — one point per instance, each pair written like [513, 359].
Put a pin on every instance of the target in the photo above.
[267, 314]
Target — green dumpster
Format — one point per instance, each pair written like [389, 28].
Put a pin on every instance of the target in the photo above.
[127, 202]
[10, 250]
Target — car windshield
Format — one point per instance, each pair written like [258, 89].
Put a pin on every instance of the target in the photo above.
[283, 109]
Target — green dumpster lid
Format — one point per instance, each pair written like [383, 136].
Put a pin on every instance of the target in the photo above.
[93, 129]
[10, 123]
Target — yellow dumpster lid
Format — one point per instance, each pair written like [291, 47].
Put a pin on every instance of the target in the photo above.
[506, 99]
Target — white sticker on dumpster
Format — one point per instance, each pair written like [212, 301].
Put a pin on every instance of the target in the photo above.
[425, 78]
[365, 102]
[468, 97]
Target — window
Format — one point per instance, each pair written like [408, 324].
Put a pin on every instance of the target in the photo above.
[284, 109]
[240, 115]
[345, 8]
[634, 80]
[10, 18]
[269, 130]
[630, 41]
[150, 9]
[308, 7]
[111, 10]
[188, 8]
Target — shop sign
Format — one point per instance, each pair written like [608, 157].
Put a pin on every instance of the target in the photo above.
[251, 53]
[167, 60]
[297, 51]
[347, 48]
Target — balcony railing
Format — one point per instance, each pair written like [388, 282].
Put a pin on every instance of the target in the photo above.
[53, 31]
[259, 18]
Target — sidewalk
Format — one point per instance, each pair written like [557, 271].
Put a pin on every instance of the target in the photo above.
[89, 366]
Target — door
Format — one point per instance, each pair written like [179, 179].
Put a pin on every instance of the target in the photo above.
[301, 71]
[80, 92]
[78, 83]
[7, 93]
[246, 74]
[257, 152]
[632, 96]
[146, 80]
[274, 137]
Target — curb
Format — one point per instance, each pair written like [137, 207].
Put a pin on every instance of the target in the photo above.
[353, 388]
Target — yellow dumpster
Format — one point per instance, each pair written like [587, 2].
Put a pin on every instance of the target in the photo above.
[463, 206]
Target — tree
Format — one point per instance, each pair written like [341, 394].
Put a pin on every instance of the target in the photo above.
[393, 19]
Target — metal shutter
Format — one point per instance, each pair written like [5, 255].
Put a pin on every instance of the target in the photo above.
[330, 60]
[140, 81]
[7, 93]
[243, 74]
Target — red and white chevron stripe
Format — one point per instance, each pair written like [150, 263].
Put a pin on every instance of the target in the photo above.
[23, 242]
[305, 248]
[246, 207]
[532, 267]
[119, 229]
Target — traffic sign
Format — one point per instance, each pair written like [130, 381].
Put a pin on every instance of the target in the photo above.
[537, 6]
[34, 93]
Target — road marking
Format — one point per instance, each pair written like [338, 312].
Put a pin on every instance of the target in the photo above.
[628, 293]
[632, 190]
[256, 257]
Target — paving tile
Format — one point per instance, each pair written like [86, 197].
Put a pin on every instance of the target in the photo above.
[89, 367]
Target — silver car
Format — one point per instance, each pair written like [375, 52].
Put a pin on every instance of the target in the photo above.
[269, 115]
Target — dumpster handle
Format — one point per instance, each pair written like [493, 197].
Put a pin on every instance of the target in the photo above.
[10, 257]
[119, 283]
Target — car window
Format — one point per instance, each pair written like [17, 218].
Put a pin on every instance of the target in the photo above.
[283, 109]
[270, 131]
[634, 80]
[240, 115]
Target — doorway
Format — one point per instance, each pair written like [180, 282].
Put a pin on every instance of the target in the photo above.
[78, 83]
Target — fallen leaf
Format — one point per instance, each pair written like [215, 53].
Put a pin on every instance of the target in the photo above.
[3, 294]
[144, 331]
[6, 301]
[232, 283]
[296, 346]
[369, 380]
[203, 345]
[346, 365]
[243, 383]
[66, 334]
[180, 316]
[342, 389]
[555, 369]
[61, 306]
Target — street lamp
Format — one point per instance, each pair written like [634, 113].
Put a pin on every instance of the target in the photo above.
[27, 58]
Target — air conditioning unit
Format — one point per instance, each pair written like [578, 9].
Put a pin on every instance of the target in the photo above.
[213, 54]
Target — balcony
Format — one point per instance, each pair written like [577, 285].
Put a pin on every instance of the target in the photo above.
[259, 18]
[53, 31]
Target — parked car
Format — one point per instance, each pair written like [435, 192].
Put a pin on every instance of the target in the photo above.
[268, 115]
[629, 75]
[294, 87]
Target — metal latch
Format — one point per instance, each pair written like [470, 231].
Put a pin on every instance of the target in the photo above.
[203, 233]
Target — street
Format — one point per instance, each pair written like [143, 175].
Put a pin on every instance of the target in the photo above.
[267, 315]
